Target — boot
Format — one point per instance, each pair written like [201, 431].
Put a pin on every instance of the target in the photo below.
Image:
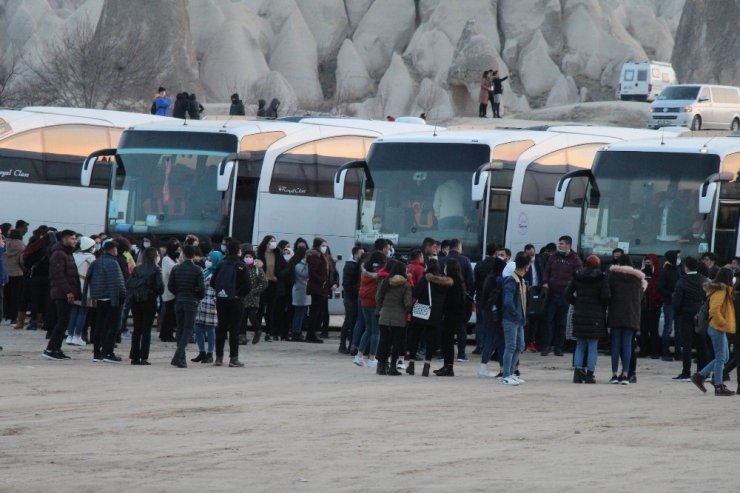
[242, 339]
[201, 356]
[578, 375]
[382, 368]
[20, 320]
[446, 371]
[410, 367]
[392, 371]
[425, 371]
[482, 110]
[589, 378]
[219, 361]
[208, 358]
[722, 389]
[495, 110]
[235, 363]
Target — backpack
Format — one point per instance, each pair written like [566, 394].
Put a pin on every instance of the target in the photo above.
[137, 288]
[153, 109]
[224, 281]
[701, 319]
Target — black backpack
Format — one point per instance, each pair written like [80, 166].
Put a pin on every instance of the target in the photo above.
[138, 288]
[224, 280]
[153, 109]
[701, 319]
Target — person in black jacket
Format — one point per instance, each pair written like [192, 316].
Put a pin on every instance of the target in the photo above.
[536, 297]
[436, 284]
[194, 107]
[666, 284]
[488, 307]
[261, 113]
[589, 294]
[144, 286]
[351, 288]
[497, 90]
[180, 108]
[237, 106]
[688, 296]
[454, 316]
[186, 283]
[231, 283]
[65, 290]
[272, 111]
[480, 272]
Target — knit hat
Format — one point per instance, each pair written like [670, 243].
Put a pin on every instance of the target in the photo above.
[86, 243]
[593, 261]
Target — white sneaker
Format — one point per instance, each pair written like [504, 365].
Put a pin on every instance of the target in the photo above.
[358, 361]
[518, 379]
[372, 363]
[70, 341]
[486, 374]
[78, 341]
[400, 366]
[510, 381]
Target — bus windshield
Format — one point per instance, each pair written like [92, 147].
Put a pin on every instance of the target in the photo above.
[647, 202]
[165, 183]
[423, 190]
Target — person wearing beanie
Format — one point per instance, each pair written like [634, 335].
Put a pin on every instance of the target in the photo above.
[589, 294]
[237, 106]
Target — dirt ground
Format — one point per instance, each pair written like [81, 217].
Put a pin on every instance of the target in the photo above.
[301, 417]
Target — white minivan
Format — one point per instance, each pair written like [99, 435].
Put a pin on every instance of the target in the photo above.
[643, 81]
[698, 106]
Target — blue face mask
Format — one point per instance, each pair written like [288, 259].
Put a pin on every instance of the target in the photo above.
[223, 248]
[97, 247]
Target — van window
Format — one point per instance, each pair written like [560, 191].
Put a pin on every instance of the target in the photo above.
[641, 75]
[704, 94]
[725, 95]
[656, 73]
[679, 92]
[629, 75]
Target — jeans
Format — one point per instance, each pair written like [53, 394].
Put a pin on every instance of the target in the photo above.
[514, 340]
[359, 327]
[201, 332]
[185, 315]
[581, 344]
[108, 320]
[621, 347]
[721, 354]
[556, 318]
[168, 321]
[692, 339]
[372, 332]
[252, 315]
[57, 335]
[299, 314]
[487, 336]
[229, 317]
[77, 319]
[350, 317]
[499, 342]
[141, 338]
[665, 337]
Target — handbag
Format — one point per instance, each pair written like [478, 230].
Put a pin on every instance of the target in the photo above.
[422, 311]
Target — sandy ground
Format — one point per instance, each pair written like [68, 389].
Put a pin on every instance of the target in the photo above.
[301, 417]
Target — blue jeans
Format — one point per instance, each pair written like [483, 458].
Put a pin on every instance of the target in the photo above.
[372, 331]
[556, 318]
[359, 327]
[621, 347]
[299, 314]
[665, 336]
[77, 319]
[480, 317]
[721, 355]
[581, 345]
[514, 337]
[201, 331]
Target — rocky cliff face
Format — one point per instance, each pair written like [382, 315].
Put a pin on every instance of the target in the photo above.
[707, 45]
[378, 57]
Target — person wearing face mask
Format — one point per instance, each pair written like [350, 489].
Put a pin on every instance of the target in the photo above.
[300, 299]
[169, 261]
[669, 276]
[650, 318]
[270, 303]
[144, 287]
[258, 281]
[206, 318]
[318, 286]
[334, 281]
[284, 306]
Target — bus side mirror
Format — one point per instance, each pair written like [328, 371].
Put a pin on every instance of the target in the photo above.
[480, 179]
[88, 165]
[709, 189]
[226, 169]
[561, 189]
[341, 176]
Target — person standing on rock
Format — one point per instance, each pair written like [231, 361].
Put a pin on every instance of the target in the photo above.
[498, 91]
[162, 103]
[237, 106]
[485, 87]
[261, 113]
[272, 111]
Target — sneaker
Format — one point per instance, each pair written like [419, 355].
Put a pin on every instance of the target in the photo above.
[77, 341]
[69, 341]
[518, 378]
[462, 358]
[614, 380]
[698, 380]
[358, 360]
[400, 366]
[52, 355]
[235, 363]
[633, 378]
[623, 380]
[682, 377]
[486, 374]
[531, 348]
[372, 363]
[499, 375]
[111, 358]
[510, 381]
[97, 359]
[722, 390]
[61, 355]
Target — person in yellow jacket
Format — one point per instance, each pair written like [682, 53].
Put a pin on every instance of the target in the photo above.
[721, 296]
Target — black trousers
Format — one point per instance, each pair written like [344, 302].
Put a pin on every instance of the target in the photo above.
[319, 306]
[63, 310]
[229, 318]
[143, 313]
[13, 294]
[690, 339]
[185, 315]
[251, 315]
[280, 317]
[414, 332]
[267, 306]
[391, 342]
[450, 326]
[649, 331]
[431, 334]
[167, 331]
[108, 320]
[350, 318]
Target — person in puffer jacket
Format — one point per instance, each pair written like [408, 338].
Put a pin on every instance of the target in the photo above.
[688, 297]
[393, 302]
[65, 290]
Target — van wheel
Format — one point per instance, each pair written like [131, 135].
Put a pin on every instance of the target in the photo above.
[696, 123]
[735, 125]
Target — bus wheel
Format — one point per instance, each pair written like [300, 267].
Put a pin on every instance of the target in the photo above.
[696, 123]
[735, 125]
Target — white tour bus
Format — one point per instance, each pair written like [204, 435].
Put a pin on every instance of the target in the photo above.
[643, 81]
[411, 182]
[41, 154]
[653, 196]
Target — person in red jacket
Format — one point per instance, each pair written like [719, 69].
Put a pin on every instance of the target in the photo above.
[369, 279]
[415, 273]
[649, 328]
[65, 290]
[318, 287]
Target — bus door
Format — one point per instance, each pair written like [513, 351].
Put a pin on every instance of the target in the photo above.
[244, 205]
[725, 232]
[498, 213]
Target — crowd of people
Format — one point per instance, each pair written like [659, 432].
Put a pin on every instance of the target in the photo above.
[396, 312]
[186, 106]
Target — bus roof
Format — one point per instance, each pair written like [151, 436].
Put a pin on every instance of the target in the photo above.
[721, 146]
[489, 137]
[622, 133]
[382, 127]
[112, 118]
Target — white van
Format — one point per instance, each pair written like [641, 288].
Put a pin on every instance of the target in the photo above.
[698, 106]
[643, 81]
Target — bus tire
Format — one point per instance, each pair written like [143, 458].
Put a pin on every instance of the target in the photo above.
[696, 123]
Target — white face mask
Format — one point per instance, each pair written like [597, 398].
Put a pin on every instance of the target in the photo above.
[147, 244]
[323, 250]
[678, 261]
[392, 252]
[272, 245]
[209, 264]
[502, 257]
[287, 257]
